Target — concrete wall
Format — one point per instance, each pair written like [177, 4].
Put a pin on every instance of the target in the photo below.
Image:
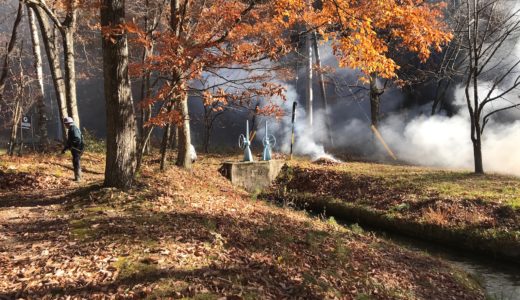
[252, 176]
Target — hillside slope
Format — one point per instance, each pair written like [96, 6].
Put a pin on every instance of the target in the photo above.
[189, 235]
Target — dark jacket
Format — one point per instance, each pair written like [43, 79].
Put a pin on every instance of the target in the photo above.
[74, 139]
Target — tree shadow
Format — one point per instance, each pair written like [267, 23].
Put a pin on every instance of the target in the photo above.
[272, 239]
[83, 168]
[46, 197]
[199, 278]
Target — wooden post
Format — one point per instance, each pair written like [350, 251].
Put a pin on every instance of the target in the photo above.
[292, 130]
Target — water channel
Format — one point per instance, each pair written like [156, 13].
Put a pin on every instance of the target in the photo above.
[500, 279]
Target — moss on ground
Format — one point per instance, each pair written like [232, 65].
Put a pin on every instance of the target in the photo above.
[130, 268]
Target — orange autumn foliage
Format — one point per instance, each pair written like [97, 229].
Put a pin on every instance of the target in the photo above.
[363, 32]
[205, 38]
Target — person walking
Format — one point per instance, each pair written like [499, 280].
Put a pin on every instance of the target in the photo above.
[75, 145]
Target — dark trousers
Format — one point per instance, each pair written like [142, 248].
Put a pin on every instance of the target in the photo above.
[76, 156]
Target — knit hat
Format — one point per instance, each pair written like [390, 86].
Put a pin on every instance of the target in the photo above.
[68, 120]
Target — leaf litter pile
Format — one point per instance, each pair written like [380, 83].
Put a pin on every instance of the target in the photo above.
[192, 235]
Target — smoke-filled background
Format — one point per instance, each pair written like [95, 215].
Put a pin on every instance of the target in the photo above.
[416, 137]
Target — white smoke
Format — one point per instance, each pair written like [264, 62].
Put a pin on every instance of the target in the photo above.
[307, 141]
[445, 142]
[414, 135]
[439, 141]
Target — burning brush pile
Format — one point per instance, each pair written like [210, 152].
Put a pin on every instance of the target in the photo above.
[326, 160]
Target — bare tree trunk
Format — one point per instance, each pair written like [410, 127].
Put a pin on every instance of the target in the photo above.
[67, 28]
[146, 144]
[208, 110]
[121, 126]
[165, 140]
[477, 152]
[146, 111]
[49, 42]
[142, 147]
[207, 134]
[70, 73]
[183, 157]
[310, 96]
[174, 136]
[18, 107]
[40, 94]
[375, 100]
[323, 90]
[145, 140]
[476, 134]
[16, 122]
[10, 48]
[164, 146]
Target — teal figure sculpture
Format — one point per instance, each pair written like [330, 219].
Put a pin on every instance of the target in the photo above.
[268, 141]
[245, 144]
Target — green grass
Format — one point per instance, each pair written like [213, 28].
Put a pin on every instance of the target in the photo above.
[82, 229]
[427, 181]
[168, 287]
[129, 268]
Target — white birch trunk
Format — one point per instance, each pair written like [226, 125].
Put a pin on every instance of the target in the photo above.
[40, 95]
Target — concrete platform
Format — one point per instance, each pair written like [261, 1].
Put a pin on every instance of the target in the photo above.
[252, 176]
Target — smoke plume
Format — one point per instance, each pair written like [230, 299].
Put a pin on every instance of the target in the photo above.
[413, 134]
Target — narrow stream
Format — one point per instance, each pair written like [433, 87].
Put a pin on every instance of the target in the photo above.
[500, 279]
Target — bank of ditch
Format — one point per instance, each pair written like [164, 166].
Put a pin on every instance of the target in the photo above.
[453, 208]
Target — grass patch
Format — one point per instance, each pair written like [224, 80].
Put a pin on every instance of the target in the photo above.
[314, 239]
[82, 229]
[356, 228]
[203, 296]
[341, 252]
[130, 269]
[168, 287]
[473, 212]
[363, 296]
[210, 225]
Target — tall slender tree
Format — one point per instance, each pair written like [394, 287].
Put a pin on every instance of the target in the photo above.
[67, 28]
[10, 47]
[49, 40]
[40, 89]
[490, 78]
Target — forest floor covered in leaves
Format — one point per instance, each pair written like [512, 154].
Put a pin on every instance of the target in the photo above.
[476, 212]
[189, 235]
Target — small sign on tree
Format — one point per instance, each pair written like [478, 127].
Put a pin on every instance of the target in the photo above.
[26, 122]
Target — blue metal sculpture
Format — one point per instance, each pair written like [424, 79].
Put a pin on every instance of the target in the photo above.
[245, 144]
[268, 141]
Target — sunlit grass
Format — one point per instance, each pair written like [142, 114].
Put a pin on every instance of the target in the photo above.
[434, 181]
